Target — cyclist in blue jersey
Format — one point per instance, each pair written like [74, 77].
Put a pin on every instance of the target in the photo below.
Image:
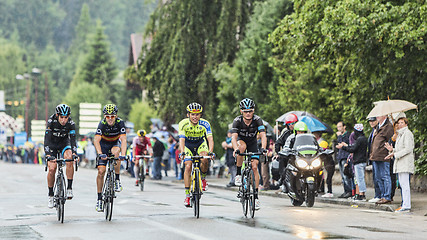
[60, 138]
[244, 137]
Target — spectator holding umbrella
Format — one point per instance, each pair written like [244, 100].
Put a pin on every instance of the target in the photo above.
[404, 160]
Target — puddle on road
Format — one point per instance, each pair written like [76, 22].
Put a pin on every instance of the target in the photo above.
[298, 231]
[372, 229]
[18, 232]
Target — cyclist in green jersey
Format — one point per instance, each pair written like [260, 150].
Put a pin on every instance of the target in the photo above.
[193, 132]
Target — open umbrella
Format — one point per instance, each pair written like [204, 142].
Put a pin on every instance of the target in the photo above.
[383, 108]
[313, 124]
[300, 114]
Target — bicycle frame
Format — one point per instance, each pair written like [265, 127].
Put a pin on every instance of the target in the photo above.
[196, 183]
[141, 176]
[247, 190]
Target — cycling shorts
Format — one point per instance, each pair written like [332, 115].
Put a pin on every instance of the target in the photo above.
[106, 149]
[195, 148]
[60, 147]
[251, 146]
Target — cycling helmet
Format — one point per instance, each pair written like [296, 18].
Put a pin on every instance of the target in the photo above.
[141, 133]
[194, 108]
[291, 118]
[247, 103]
[300, 126]
[63, 110]
[110, 109]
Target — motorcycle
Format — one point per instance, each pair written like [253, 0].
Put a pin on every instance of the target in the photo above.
[304, 170]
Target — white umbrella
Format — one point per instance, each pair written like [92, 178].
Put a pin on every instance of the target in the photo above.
[383, 108]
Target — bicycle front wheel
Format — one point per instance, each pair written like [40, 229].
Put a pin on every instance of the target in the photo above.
[196, 193]
[244, 194]
[141, 177]
[251, 193]
[109, 197]
[60, 198]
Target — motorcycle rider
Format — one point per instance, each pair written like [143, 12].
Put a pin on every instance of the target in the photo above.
[290, 121]
[299, 128]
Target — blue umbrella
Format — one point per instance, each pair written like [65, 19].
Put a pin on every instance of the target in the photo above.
[313, 124]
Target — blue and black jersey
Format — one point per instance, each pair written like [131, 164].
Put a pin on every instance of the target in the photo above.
[247, 133]
[58, 137]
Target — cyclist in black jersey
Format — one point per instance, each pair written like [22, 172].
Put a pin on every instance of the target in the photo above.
[60, 138]
[244, 137]
[110, 138]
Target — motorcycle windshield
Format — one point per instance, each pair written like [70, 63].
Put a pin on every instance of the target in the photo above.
[306, 144]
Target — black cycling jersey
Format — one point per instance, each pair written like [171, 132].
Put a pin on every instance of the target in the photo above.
[57, 135]
[111, 134]
[280, 142]
[245, 132]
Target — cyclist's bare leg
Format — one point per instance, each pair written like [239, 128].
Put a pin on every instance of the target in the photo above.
[51, 173]
[256, 173]
[70, 166]
[116, 151]
[100, 178]
[187, 173]
[204, 163]
[242, 148]
[136, 167]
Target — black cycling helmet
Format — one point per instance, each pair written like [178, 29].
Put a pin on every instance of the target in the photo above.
[63, 110]
[110, 109]
[194, 108]
[247, 103]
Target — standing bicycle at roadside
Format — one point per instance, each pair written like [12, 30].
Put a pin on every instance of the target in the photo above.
[195, 138]
[60, 138]
[110, 139]
[141, 145]
[244, 137]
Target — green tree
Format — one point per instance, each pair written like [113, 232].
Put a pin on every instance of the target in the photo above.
[336, 58]
[98, 67]
[141, 114]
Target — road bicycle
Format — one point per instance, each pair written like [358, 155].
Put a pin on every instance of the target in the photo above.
[246, 191]
[59, 197]
[196, 183]
[141, 174]
[108, 193]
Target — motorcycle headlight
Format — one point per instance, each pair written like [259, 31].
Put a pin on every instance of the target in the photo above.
[316, 163]
[301, 163]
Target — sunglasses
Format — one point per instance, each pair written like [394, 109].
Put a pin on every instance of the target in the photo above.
[248, 111]
[110, 116]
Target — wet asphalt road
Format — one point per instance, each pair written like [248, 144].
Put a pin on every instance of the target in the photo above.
[158, 213]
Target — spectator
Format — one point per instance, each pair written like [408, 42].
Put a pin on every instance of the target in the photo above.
[90, 153]
[359, 160]
[343, 136]
[171, 150]
[158, 150]
[404, 160]
[229, 158]
[265, 166]
[378, 154]
[373, 123]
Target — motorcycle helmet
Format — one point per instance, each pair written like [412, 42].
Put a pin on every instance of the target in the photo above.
[63, 110]
[110, 109]
[300, 127]
[291, 118]
[194, 108]
[141, 133]
[247, 103]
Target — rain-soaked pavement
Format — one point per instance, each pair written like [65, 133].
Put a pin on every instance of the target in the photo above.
[158, 213]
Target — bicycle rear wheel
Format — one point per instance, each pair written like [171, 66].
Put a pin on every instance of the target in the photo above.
[251, 192]
[141, 177]
[196, 193]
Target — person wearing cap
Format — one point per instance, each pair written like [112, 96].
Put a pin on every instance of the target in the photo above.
[404, 160]
[358, 148]
[373, 123]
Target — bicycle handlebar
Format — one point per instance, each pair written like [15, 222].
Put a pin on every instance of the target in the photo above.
[144, 156]
[54, 159]
[251, 154]
[198, 157]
